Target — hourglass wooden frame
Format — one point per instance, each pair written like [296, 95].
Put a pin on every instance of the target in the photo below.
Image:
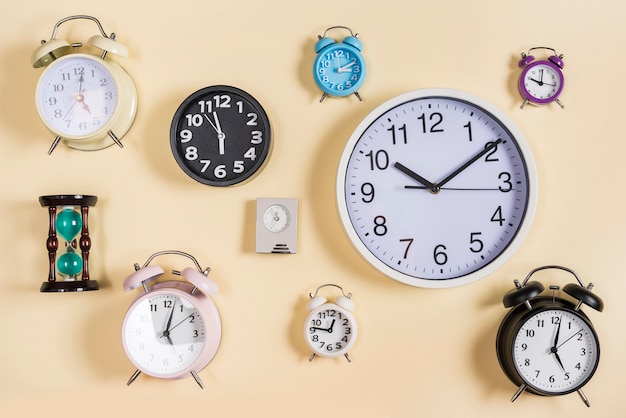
[53, 202]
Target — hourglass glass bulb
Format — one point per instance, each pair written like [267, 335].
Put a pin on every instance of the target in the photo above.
[68, 223]
[70, 264]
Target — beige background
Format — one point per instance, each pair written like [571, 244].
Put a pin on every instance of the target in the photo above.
[420, 352]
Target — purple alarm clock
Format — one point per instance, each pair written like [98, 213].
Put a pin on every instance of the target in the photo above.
[541, 81]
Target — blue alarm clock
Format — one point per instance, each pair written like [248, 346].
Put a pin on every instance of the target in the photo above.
[339, 68]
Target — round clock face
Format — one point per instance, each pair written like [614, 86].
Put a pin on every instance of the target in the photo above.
[339, 70]
[541, 82]
[330, 331]
[164, 334]
[220, 136]
[77, 96]
[555, 351]
[436, 188]
[276, 218]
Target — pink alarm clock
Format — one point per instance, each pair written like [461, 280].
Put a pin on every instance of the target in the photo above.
[173, 328]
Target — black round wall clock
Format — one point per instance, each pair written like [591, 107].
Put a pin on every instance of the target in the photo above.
[221, 136]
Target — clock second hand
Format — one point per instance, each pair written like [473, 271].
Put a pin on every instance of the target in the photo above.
[573, 335]
[183, 320]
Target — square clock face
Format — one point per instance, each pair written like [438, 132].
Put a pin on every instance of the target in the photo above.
[276, 225]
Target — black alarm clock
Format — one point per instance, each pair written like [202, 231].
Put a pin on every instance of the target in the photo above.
[546, 345]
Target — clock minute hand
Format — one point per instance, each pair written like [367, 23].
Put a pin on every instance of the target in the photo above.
[221, 136]
[556, 336]
[166, 332]
[347, 67]
[469, 162]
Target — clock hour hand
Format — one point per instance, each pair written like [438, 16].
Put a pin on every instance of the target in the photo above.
[430, 186]
[485, 150]
[554, 350]
[541, 83]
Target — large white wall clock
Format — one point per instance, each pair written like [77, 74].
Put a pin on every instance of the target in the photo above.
[436, 188]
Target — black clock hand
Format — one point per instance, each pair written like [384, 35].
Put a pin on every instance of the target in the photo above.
[332, 324]
[469, 162]
[430, 186]
[553, 350]
[556, 336]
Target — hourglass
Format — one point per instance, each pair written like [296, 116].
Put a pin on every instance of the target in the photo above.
[68, 216]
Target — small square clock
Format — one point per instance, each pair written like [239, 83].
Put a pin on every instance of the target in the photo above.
[276, 225]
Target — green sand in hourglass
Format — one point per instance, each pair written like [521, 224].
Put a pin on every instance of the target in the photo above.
[68, 218]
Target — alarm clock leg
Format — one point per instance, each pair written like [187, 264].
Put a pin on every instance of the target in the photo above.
[323, 97]
[519, 392]
[358, 96]
[197, 379]
[560, 104]
[54, 144]
[115, 139]
[133, 377]
[312, 357]
[348, 358]
[583, 397]
[523, 104]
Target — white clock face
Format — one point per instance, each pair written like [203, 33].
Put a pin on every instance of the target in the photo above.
[436, 188]
[76, 96]
[542, 82]
[556, 351]
[164, 334]
[330, 331]
[276, 218]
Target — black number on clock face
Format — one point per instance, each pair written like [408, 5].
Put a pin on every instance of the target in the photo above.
[220, 136]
